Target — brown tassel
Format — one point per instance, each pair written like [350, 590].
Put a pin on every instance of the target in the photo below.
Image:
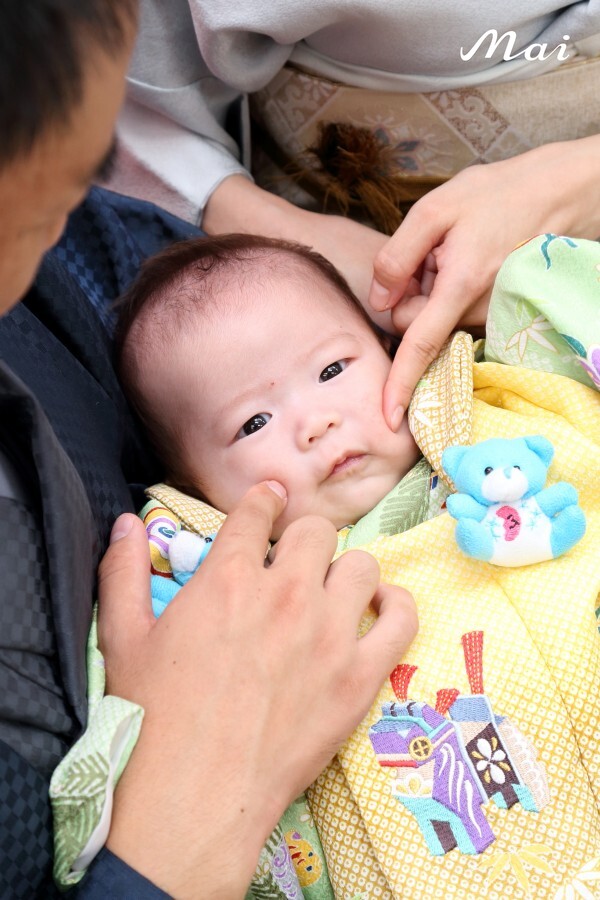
[349, 170]
[361, 173]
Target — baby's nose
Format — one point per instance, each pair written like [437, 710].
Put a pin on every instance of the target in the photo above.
[316, 425]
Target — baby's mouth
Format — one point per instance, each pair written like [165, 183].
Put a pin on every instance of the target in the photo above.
[347, 464]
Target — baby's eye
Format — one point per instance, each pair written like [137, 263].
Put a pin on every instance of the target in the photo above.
[333, 369]
[255, 423]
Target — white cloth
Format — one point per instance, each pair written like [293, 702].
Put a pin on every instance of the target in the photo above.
[184, 126]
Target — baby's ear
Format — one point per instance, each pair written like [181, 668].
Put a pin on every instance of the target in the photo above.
[451, 460]
[542, 447]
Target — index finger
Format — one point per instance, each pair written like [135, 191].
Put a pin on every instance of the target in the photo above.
[420, 345]
[247, 529]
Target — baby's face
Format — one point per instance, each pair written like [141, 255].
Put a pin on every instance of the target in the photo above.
[289, 387]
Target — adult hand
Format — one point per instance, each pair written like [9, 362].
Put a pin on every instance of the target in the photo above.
[456, 238]
[250, 680]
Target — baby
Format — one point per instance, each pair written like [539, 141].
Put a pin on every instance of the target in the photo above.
[250, 359]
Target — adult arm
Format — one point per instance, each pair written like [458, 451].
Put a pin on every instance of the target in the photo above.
[184, 130]
[224, 674]
[457, 237]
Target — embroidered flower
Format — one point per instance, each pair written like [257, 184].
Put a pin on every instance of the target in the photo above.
[491, 761]
[307, 819]
[592, 364]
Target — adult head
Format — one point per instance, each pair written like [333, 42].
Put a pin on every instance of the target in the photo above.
[62, 75]
[250, 359]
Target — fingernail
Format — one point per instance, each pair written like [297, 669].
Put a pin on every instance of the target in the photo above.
[121, 528]
[396, 418]
[379, 297]
[277, 489]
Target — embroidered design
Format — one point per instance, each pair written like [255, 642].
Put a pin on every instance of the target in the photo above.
[578, 886]
[306, 862]
[275, 878]
[592, 364]
[449, 761]
[515, 861]
[532, 332]
[549, 238]
[511, 522]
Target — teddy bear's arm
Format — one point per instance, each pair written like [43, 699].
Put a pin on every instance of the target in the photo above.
[553, 499]
[463, 506]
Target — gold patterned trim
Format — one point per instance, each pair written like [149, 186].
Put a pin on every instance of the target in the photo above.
[441, 410]
[195, 515]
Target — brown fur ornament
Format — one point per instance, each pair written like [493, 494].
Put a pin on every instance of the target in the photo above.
[360, 173]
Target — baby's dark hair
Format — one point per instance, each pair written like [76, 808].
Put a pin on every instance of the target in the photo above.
[195, 278]
[44, 45]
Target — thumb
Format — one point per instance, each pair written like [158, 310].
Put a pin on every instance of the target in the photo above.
[124, 606]
[397, 262]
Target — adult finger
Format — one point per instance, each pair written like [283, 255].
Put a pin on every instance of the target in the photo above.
[420, 345]
[396, 626]
[124, 607]
[306, 547]
[399, 259]
[246, 532]
[354, 577]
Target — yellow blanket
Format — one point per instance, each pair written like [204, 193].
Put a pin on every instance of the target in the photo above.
[490, 783]
[387, 829]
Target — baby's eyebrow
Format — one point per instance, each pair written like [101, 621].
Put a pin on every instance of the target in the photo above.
[244, 396]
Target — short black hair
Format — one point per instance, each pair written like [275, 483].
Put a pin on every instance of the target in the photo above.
[203, 265]
[44, 45]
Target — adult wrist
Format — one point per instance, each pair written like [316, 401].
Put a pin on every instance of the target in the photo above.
[239, 205]
[190, 837]
[577, 163]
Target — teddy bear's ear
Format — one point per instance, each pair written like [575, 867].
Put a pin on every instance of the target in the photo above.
[451, 460]
[542, 447]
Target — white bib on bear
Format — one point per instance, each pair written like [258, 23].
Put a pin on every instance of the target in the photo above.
[520, 531]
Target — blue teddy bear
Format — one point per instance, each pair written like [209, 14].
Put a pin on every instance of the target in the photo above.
[504, 514]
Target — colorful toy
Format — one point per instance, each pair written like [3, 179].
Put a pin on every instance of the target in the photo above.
[504, 513]
[183, 551]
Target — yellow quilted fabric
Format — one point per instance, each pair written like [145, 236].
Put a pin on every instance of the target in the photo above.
[541, 669]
